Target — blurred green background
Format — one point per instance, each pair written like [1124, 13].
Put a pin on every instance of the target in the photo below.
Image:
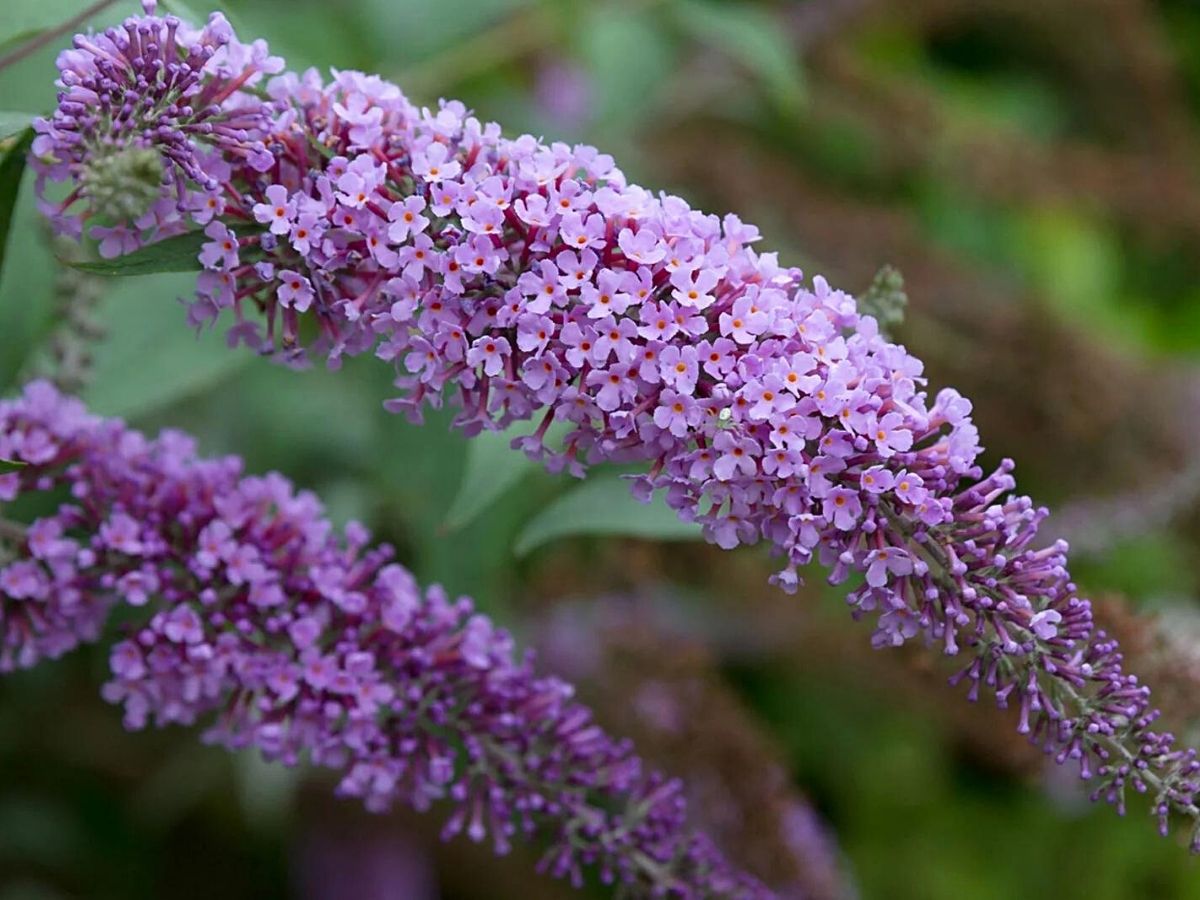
[1034, 171]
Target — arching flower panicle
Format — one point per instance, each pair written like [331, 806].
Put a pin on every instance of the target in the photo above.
[537, 282]
[253, 616]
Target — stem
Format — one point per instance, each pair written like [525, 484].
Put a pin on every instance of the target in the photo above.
[36, 43]
[1160, 783]
[12, 531]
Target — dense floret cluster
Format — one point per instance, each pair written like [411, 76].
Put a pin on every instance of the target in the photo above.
[254, 615]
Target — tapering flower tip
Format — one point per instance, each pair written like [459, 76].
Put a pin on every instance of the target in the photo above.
[250, 612]
[885, 299]
[140, 107]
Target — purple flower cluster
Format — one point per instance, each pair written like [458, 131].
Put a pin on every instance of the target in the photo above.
[251, 613]
[527, 279]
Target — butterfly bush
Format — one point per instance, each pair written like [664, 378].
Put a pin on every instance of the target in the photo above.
[526, 280]
[246, 609]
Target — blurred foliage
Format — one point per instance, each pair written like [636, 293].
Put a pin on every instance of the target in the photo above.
[1032, 170]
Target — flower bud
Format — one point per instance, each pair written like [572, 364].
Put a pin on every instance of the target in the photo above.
[122, 186]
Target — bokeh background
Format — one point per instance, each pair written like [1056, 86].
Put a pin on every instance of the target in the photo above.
[1033, 170]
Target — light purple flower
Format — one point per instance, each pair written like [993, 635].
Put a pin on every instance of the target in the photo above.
[744, 322]
[406, 219]
[222, 251]
[277, 211]
[116, 241]
[888, 433]
[676, 412]
[1045, 624]
[434, 163]
[736, 456]
[295, 291]
[643, 246]
[489, 353]
[680, 368]
[842, 507]
[886, 562]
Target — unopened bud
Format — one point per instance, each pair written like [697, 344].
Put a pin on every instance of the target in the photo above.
[122, 186]
[885, 299]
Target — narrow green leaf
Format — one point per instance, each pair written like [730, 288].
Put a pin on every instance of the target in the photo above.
[492, 469]
[753, 38]
[12, 122]
[180, 253]
[12, 167]
[151, 358]
[10, 465]
[26, 288]
[604, 505]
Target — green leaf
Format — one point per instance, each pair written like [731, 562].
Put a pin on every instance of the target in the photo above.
[752, 37]
[492, 469]
[151, 358]
[180, 253]
[629, 59]
[12, 167]
[604, 505]
[26, 289]
[13, 122]
[10, 465]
